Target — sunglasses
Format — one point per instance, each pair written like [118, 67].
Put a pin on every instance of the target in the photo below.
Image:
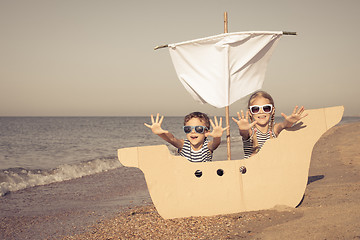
[198, 129]
[255, 109]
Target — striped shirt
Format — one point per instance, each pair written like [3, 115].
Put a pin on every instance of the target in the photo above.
[261, 137]
[202, 155]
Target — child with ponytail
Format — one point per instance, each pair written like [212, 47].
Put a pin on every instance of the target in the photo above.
[261, 112]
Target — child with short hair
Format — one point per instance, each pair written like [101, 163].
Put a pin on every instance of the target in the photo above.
[261, 111]
[196, 147]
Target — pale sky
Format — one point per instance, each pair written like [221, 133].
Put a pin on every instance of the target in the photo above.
[96, 58]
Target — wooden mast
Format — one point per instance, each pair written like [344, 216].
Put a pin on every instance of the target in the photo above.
[227, 114]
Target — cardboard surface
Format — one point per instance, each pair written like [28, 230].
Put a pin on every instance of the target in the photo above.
[277, 175]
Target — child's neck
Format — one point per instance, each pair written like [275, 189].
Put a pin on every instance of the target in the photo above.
[196, 147]
[263, 128]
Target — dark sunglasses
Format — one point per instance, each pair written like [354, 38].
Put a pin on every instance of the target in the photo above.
[255, 109]
[198, 129]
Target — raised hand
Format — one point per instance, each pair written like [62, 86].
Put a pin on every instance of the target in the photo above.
[217, 128]
[294, 117]
[243, 122]
[156, 125]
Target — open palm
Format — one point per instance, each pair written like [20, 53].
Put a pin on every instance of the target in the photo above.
[156, 125]
[217, 128]
[296, 116]
[243, 121]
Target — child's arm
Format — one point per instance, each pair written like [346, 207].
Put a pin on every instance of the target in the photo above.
[289, 121]
[166, 135]
[216, 134]
[244, 125]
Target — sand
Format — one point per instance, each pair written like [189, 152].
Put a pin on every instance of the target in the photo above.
[330, 208]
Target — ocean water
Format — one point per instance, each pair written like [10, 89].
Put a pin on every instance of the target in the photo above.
[42, 150]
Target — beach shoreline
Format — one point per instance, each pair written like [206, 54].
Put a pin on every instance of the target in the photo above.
[330, 208]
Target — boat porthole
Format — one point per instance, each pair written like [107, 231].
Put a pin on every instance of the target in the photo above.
[220, 172]
[243, 169]
[198, 173]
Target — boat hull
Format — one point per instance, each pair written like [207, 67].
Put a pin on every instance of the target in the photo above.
[277, 175]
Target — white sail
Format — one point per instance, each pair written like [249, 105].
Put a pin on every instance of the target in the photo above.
[221, 69]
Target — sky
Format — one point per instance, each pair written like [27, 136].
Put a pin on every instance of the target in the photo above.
[97, 58]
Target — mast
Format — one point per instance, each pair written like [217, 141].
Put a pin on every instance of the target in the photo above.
[227, 117]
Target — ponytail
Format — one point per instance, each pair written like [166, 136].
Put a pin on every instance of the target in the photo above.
[255, 146]
[271, 124]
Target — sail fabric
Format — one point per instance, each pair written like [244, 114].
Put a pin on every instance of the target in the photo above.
[221, 69]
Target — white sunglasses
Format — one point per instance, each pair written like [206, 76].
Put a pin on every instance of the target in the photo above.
[255, 109]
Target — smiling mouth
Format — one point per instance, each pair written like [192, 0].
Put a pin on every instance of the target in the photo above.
[193, 137]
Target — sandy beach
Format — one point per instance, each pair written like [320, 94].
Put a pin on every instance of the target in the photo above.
[330, 208]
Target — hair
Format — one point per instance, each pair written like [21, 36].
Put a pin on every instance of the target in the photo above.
[202, 116]
[271, 124]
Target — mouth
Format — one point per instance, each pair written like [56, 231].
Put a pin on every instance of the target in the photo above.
[193, 137]
[261, 116]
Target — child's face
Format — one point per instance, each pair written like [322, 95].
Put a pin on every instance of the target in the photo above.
[262, 118]
[196, 139]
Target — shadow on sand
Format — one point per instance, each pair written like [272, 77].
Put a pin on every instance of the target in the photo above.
[310, 180]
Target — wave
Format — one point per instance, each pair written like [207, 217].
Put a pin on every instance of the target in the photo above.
[15, 179]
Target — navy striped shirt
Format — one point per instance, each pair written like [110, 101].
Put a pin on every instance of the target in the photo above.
[202, 155]
[261, 137]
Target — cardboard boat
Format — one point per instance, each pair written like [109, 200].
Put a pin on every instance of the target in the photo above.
[277, 175]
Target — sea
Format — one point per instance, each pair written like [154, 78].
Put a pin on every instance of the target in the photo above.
[64, 171]
[42, 150]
